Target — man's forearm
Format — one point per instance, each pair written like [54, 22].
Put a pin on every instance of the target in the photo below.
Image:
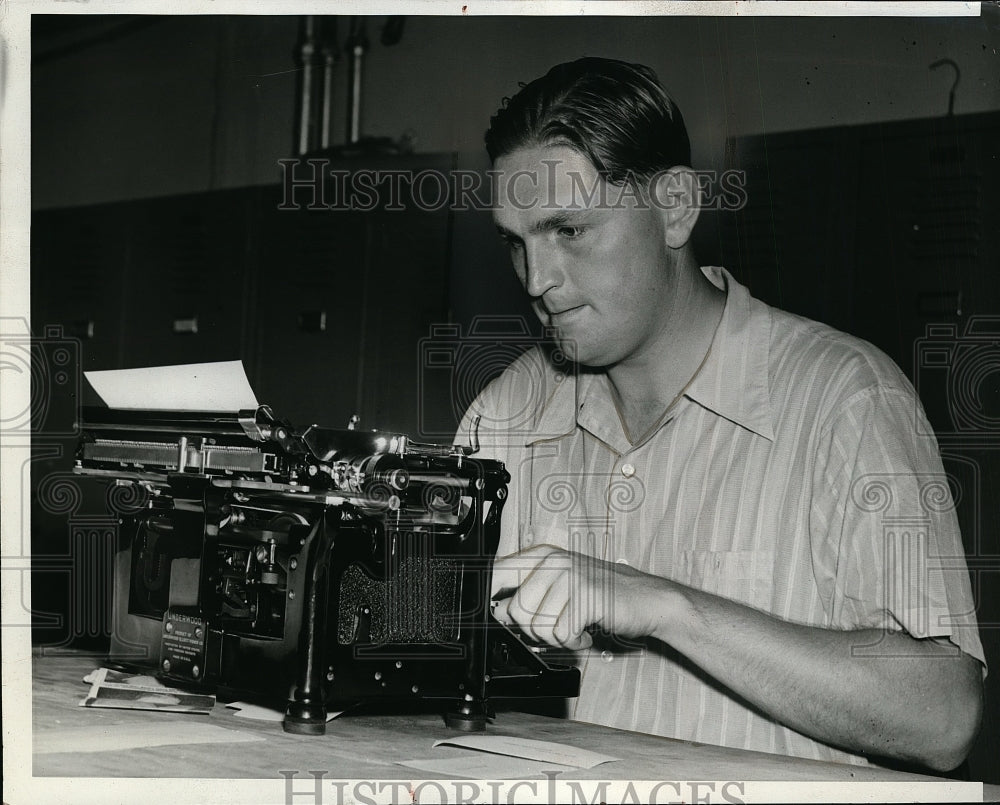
[869, 691]
[900, 697]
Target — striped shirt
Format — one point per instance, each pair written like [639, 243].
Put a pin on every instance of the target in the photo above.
[797, 475]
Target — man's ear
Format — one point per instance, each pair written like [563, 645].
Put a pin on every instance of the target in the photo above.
[677, 196]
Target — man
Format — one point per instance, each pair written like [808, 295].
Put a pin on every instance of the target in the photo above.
[727, 510]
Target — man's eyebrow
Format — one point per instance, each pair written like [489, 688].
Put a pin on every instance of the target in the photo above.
[506, 233]
[547, 224]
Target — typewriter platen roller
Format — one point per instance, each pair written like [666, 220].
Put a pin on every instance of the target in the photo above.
[323, 567]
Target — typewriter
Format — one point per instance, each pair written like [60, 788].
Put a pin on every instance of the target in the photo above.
[321, 568]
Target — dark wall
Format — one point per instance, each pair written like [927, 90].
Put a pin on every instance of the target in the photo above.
[136, 107]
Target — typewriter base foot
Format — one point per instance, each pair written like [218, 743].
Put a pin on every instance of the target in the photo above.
[304, 719]
[467, 718]
[303, 727]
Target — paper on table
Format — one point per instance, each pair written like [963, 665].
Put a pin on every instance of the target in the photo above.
[109, 688]
[260, 713]
[546, 751]
[108, 676]
[220, 386]
[486, 767]
[116, 737]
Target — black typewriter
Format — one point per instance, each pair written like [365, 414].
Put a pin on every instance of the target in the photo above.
[323, 567]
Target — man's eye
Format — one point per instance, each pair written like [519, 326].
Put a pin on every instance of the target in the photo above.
[570, 231]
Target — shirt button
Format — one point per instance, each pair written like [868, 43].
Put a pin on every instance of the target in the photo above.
[628, 470]
[607, 656]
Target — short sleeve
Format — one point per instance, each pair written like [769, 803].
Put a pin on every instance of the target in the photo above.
[514, 410]
[889, 527]
[479, 427]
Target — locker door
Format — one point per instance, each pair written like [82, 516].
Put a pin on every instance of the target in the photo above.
[310, 302]
[344, 296]
[185, 284]
[927, 241]
[407, 291]
[793, 241]
[78, 258]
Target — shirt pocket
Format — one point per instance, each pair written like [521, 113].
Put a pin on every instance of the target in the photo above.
[744, 576]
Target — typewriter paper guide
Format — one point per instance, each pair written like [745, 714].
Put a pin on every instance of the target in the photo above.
[220, 386]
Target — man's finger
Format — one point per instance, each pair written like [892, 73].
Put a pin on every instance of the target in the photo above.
[542, 595]
[580, 643]
[501, 611]
[510, 571]
[537, 604]
[525, 605]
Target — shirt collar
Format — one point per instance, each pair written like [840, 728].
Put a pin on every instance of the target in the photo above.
[733, 383]
[735, 380]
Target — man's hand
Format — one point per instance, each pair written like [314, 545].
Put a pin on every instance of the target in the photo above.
[554, 596]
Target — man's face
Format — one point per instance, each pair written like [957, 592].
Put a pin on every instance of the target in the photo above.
[590, 254]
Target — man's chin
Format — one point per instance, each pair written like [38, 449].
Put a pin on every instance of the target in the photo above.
[580, 353]
[567, 346]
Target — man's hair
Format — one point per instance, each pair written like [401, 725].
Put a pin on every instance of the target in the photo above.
[614, 113]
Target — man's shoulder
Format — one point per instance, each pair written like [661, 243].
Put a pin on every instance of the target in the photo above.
[525, 386]
[808, 356]
[524, 374]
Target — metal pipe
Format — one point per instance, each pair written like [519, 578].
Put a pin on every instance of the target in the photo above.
[324, 132]
[306, 59]
[354, 124]
[330, 57]
[357, 44]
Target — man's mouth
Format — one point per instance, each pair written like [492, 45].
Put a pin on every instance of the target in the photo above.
[555, 317]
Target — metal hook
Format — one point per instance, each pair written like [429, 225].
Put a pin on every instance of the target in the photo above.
[954, 86]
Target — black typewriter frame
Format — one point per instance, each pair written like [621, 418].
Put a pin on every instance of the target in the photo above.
[316, 537]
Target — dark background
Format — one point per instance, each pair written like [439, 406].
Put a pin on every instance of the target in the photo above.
[155, 188]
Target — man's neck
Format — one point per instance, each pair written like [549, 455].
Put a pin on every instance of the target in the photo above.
[645, 386]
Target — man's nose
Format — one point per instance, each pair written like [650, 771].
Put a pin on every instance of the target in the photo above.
[541, 271]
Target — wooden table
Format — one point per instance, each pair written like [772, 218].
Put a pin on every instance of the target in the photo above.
[360, 746]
